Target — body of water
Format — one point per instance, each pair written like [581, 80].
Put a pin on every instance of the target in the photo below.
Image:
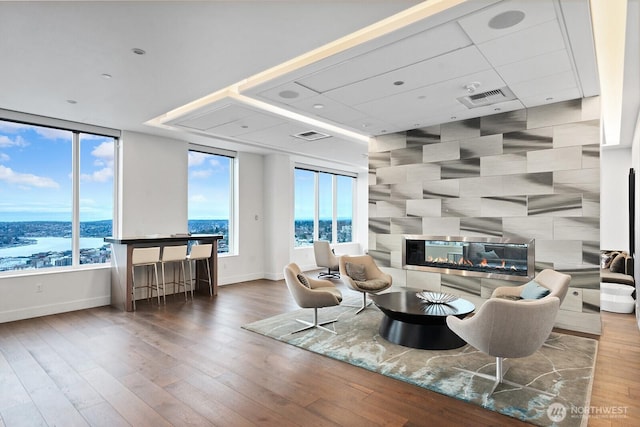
[50, 244]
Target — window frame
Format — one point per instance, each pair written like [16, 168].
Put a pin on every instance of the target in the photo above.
[76, 130]
[232, 228]
[334, 200]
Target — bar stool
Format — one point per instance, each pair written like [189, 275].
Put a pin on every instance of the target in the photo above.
[200, 253]
[175, 254]
[145, 257]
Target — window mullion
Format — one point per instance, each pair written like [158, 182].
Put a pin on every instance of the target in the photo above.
[334, 214]
[75, 199]
[316, 209]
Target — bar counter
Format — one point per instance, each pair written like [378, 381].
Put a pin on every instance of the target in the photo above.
[121, 249]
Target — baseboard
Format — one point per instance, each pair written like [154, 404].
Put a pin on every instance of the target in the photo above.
[46, 310]
[228, 280]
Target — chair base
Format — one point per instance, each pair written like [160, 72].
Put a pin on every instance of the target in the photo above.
[315, 324]
[329, 274]
[499, 379]
[364, 305]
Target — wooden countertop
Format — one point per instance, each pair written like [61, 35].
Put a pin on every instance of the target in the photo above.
[162, 238]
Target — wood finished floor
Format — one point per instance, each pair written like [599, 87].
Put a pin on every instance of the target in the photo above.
[191, 364]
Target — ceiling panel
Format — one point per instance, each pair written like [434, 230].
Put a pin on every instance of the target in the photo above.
[530, 42]
[533, 68]
[224, 113]
[250, 123]
[547, 85]
[447, 66]
[331, 109]
[401, 53]
[436, 96]
[534, 12]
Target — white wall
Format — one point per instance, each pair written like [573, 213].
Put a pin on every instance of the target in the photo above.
[249, 264]
[614, 196]
[62, 291]
[154, 189]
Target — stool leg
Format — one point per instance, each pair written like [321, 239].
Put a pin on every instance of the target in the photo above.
[133, 287]
[206, 261]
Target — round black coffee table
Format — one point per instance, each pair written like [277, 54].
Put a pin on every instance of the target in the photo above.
[411, 322]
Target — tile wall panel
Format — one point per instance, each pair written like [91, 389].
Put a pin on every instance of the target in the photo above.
[528, 174]
[528, 140]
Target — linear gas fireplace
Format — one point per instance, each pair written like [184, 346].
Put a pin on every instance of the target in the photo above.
[508, 259]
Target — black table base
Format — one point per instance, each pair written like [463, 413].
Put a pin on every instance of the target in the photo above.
[432, 336]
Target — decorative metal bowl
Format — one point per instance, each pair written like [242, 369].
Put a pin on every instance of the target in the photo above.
[436, 297]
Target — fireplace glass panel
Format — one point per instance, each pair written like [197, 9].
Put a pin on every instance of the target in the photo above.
[478, 257]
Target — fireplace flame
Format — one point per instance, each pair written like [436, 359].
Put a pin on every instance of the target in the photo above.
[484, 262]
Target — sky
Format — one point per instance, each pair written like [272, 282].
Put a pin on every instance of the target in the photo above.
[209, 179]
[35, 174]
[305, 195]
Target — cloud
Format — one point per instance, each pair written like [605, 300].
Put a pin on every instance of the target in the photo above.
[103, 154]
[196, 158]
[52, 133]
[104, 151]
[19, 141]
[12, 127]
[26, 179]
[215, 162]
[101, 175]
[205, 173]
[198, 198]
[4, 157]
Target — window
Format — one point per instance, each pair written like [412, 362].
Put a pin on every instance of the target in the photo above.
[56, 195]
[323, 208]
[211, 196]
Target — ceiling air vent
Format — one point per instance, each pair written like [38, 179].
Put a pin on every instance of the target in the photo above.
[311, 135]
[489, 97]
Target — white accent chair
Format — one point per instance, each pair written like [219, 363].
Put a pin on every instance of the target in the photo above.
[504, 328]
[200, 253]
[327, 259]
[372, 280]
[556, 282]
[145, 257]
[175, 255]
[318, 293]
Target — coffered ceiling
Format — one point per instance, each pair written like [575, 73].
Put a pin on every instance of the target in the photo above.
[249, 75]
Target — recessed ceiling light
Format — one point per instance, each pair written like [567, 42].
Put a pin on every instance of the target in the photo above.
[106, 76]
[453, 117]
[496, 109]
[72, 101]
[398, 83]
[244, 127]
[549, 98]
[383, 131]
[506, 19]
[422, 97]
[138, 51]
[289, 94]
[318, 106]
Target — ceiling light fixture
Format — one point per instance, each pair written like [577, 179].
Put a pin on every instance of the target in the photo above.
[106, 76]
[398, 83]
[138, 51]
[318, 106]
[72, 101]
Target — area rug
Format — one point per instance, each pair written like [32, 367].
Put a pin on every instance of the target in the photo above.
[564, 366]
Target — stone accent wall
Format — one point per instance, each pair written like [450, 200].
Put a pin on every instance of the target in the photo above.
[531, 173]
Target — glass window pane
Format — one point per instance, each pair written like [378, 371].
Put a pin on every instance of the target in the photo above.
[210, 195]
[35, 196]
[325, 206]
[345, 208]
[96, 197]
[304, 210]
